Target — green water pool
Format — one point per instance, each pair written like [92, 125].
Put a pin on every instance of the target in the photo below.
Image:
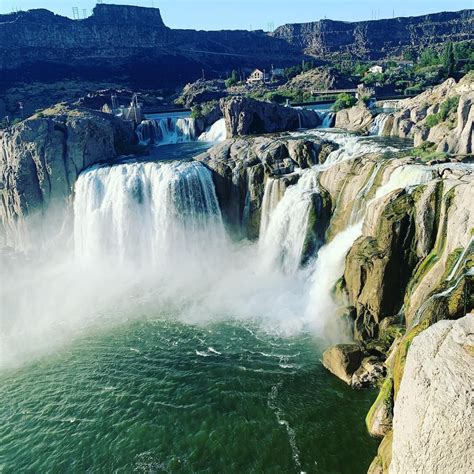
[157, 395]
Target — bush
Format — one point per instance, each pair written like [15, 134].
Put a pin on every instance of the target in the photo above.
[232, 80]
[196, 112]
[445, 109]
[344, 101]
[448, 106]
[432, 120]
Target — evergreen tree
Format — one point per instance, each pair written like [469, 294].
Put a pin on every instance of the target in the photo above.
[449, 62]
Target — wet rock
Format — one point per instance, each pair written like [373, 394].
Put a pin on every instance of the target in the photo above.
[380, 416]
[369, 373]
[355, 119]
[343, 360]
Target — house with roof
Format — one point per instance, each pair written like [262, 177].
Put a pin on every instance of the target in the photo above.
[256, 77]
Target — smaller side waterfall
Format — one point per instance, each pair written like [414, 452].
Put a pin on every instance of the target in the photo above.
[216, 133]
[378, 126]
[285, 233]
[166, 130]
[274, 190]
[327, 118]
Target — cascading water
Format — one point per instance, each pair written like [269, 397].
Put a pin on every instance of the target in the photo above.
[166, 130]
[146, 212]
[327, 118]
[378, 126]
[216, 133]
[285, 231]
[274, 190]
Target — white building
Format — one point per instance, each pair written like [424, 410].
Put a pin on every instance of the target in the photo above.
[256, 77]
[376, 69]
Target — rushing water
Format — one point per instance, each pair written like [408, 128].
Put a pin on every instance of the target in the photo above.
[164, 346]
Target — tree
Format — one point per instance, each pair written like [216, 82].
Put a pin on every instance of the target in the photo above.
[233, 79]
[449, 62]
[344, 101]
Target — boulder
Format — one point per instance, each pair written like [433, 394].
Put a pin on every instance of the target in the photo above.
[356, 119]
[343, 360]
[245, 116]
[433, 416]
[369, 373]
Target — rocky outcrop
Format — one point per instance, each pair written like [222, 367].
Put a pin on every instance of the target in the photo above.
[343, 360]
[118, 39]
[355, 119]
[241, 167]
[433, 417]
[201, 91]
[245, 116]
[377, 39]
[442, 116]
[41, 157]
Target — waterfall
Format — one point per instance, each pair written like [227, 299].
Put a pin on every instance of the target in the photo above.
[285, 233]
[350, 146]
[326, 117]
[147, 213]
[216, 133]
[274, 190]
[466, 252]
[166, 130]
[405, 176]
[377, 127]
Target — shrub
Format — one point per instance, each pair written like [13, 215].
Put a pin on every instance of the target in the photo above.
[232, 80]
[344, 101]
[448, 106]
[196, 112]
[433, 120]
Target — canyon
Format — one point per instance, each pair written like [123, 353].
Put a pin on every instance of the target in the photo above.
[368, 244]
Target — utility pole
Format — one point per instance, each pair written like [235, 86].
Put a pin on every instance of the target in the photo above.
[75, 13]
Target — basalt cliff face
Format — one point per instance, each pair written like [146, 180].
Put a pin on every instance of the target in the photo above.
[379, 38]
[133, 44]
[41, 158]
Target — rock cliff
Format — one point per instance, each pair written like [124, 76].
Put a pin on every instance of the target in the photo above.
[241, 167]
[245, 116]
[433, 418]
[41, 157]
[38, 45]
[441, 117]
[379, 38]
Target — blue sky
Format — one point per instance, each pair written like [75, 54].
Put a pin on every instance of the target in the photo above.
[255, 14]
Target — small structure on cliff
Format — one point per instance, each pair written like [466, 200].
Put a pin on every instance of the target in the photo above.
[257, 77]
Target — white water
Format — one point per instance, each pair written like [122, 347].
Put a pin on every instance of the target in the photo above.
[216, 133]
[146, 212]
[379, 124]
[274, 190]
[405, 176]
[327, 118]
[284, 235]
[149, 240]
[166, 130]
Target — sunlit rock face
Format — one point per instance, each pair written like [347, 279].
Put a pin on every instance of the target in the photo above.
[434, 402]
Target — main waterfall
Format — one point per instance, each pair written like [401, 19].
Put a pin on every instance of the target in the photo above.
[146, 212]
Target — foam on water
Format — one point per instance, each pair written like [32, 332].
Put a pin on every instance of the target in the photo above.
[166, 130]
[216, 133]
